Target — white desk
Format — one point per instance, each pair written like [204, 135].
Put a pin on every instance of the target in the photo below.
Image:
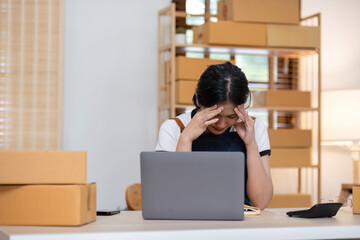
[271, 224]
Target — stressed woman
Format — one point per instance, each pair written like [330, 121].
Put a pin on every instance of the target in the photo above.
[220, 122]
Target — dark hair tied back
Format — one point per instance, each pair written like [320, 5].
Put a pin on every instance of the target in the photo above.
[220, 83]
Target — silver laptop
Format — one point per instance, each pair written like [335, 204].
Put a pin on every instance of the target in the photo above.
[192, 185]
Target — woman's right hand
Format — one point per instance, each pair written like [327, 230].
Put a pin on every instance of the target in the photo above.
[197, 126]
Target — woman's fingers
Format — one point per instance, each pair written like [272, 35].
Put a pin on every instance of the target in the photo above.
[207, 116]
[211, 112]
[212, 121]
[243, 115]
[239, 113]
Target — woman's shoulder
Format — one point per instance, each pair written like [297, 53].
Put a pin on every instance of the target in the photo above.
[185, 118]
[170, 124]
[259, 124]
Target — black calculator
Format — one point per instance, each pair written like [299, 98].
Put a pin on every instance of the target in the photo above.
[317, 211]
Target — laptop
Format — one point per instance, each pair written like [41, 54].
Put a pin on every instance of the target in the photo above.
[192, 185]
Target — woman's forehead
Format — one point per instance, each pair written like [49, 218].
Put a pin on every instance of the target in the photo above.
[228, 108]
[227, 105]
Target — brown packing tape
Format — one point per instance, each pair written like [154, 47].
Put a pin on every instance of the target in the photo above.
[88, 201]
[92, 202]
[88, 219]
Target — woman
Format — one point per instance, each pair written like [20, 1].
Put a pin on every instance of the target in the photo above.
[220, 114]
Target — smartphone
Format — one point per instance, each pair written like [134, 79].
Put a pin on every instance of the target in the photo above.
[107, 212]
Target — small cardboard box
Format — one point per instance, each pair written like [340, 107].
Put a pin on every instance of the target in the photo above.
[290, 200]
[185, 91]
[231, 33]
[280, 35]
[47, 205]
[290, 157]
[42, 167]
[356, 199]
[192, 68]
[295, 138]
[262, 11]
[281, 98]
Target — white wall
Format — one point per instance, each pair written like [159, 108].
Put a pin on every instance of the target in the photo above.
[340, 38]
[110, 82]
[340, 35]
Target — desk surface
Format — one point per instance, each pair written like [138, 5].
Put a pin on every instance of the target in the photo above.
[271, 224]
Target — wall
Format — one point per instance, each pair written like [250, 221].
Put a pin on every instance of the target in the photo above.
[340, 35]
[110, 96]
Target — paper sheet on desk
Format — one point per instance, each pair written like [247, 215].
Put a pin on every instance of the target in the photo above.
[250, 210]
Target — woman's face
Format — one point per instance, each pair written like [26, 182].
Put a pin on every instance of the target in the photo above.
[227, 118]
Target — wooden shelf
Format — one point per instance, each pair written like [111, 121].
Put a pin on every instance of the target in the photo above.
[185, 14]
[247, 50]
[288, 68]
[295, 167]
[285, 109]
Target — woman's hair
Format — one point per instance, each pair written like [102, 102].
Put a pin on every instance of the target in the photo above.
[220, 83]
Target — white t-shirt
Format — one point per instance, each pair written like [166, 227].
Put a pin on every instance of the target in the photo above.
[169, 134]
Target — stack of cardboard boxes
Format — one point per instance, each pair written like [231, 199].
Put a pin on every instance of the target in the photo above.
[255, 23]
[291, 148]
[260, 23]
[45, 188]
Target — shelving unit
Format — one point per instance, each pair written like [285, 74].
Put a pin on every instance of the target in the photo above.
[307, 78]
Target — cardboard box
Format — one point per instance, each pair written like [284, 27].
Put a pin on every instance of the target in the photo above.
[281, 98]
[291, 157]
[290, 200]
[42, 167]
[292, 36]
[263, 11]
[257, 34]
[295, 138]
[185, 91]
[192, 68]
[231, 33]
[47, 205]
[356, 199]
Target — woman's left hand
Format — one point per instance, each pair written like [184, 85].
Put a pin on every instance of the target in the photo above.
[245, 128]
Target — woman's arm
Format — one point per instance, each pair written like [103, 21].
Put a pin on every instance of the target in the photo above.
[259, 183]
